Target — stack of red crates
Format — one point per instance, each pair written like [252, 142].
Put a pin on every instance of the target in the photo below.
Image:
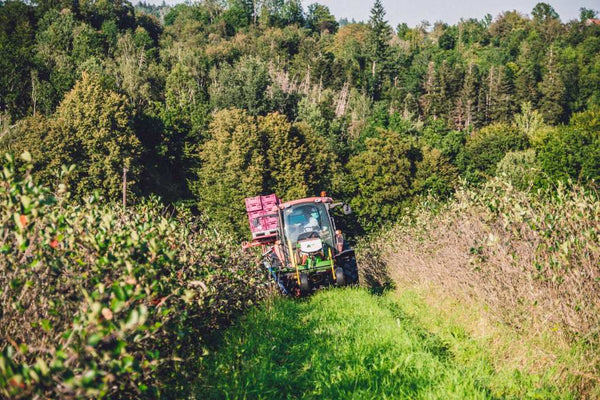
[258, 207]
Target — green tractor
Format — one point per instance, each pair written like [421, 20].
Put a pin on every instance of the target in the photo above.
[302, 249]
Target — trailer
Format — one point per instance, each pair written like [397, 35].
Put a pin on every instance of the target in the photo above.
[302, 249]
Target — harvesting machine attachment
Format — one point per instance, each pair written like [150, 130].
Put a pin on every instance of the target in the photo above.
[301, 248]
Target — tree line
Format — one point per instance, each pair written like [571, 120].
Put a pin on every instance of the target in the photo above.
[211, 102]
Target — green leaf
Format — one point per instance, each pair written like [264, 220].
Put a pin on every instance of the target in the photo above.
[42, 366]
[26, 156]
[88, 377]
[26, 202]
[132, 320]
[95, 338]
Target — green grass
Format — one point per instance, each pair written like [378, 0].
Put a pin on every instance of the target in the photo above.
[343, 344]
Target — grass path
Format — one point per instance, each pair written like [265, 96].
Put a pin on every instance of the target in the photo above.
[340, 344]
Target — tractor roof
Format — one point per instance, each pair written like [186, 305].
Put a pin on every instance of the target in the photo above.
[307, 200]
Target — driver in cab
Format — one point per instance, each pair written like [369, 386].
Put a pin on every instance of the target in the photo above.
[311, 223]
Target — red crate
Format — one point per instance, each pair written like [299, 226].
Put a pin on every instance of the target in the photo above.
[256, 214]
[258, 207]
[270, 198]
[255, 219]
[268, 202]
[254, 203]
[269, 223]
[254, 223]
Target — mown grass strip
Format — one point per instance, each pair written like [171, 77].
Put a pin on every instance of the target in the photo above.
[339, 344]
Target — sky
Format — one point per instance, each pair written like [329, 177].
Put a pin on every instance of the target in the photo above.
[414, 11]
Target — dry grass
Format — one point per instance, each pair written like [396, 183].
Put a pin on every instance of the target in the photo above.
[532, 260]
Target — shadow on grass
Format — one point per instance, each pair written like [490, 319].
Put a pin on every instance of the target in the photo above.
[374, 272]
[336, 344]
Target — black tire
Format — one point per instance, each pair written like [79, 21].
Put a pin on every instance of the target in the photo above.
[305, 286]
[340, 278]
[351, 271]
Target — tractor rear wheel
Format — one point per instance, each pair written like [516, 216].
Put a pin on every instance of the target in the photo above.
[351, 271]
[340, 279]
[305, 285]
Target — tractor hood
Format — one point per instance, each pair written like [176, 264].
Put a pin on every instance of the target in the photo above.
[311, 245]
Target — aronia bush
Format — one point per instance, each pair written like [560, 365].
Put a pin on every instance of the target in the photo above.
[97, 301]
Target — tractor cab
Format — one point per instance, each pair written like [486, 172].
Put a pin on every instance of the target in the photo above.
[305, 250]
[308, 223]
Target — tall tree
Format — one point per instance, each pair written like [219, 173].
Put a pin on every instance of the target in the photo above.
[319, 19]
[499, 95]
[131, 70]
[281, 13]
[17, 38]
[243, 86]
[431, 100]
[240, 13]
[232, 168]
[184, 118]
[543, 12]
[466, 103]
[92, 129]
[546, 21]
[380, 34]
[292, 12]
[54, 53]
[586, 13]
[527, 75]
[503, 106]
[552, 89]
[381, 177]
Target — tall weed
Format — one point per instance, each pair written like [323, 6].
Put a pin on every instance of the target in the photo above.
[531, 258]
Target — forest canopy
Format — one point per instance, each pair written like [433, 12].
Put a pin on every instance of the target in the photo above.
[267, 96]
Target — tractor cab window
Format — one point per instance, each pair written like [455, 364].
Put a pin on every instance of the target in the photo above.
[302, 220]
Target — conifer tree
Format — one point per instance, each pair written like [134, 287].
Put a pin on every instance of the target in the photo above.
[431, 100]
[447, 89]
[465, 111]
[526, 76]
[552, 89]
[503, 107]
[499, 101]
[380, 34]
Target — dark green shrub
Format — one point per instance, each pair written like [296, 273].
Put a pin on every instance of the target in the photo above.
[573, 152]
[381, 177]
[485, 148]
[103, 302]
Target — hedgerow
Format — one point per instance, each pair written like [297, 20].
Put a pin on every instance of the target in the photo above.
[97, 301]
[530, 258]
